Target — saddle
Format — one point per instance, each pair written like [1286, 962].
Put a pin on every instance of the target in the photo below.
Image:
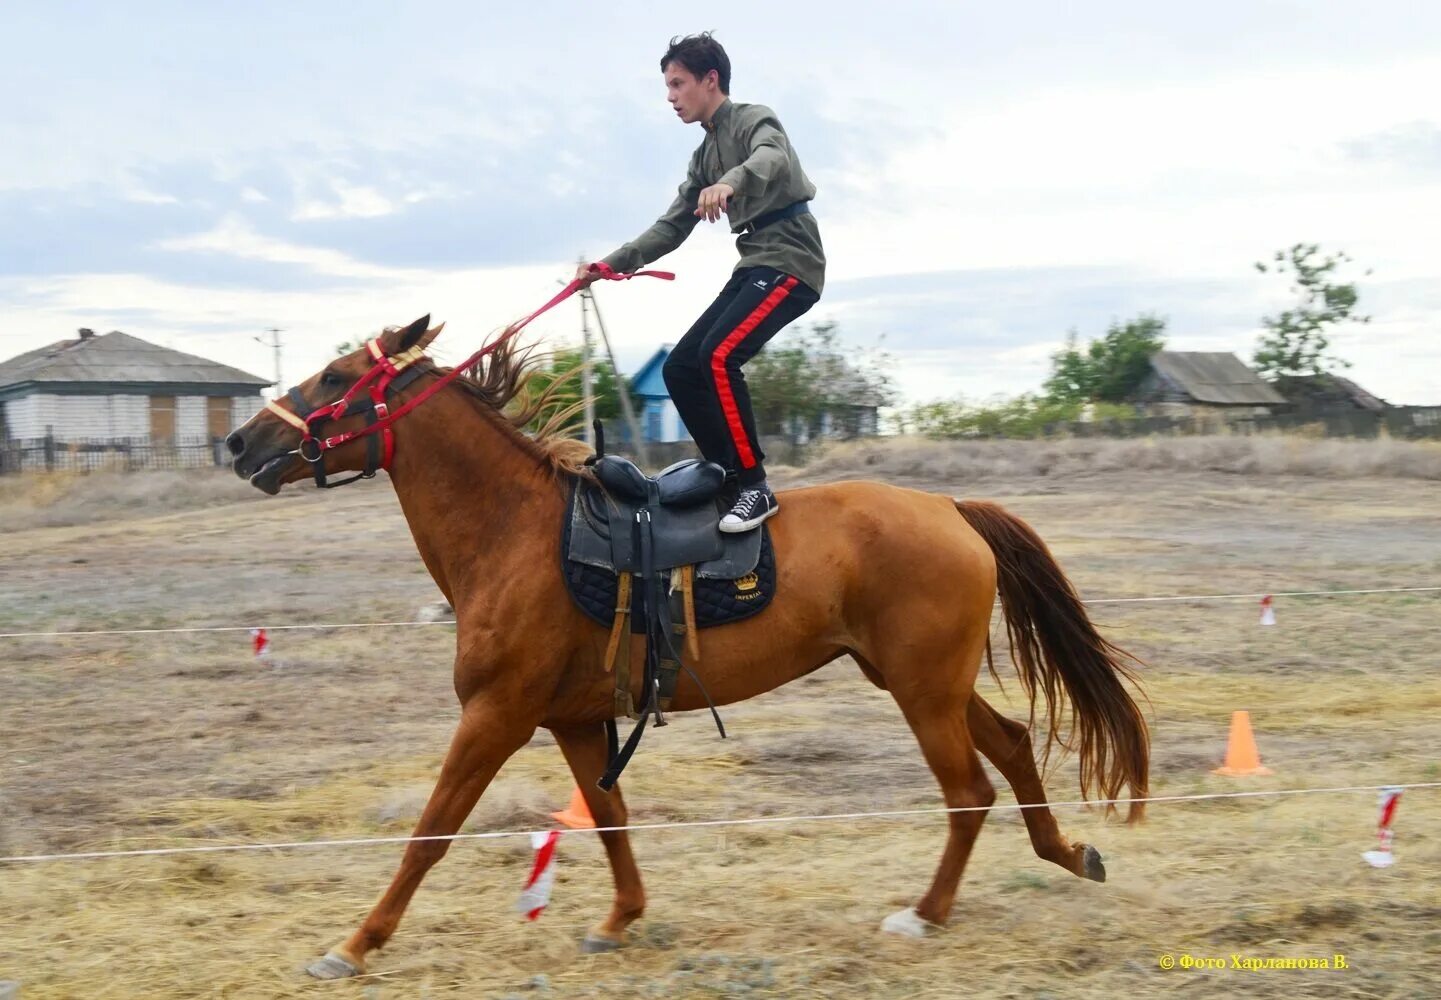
[639, 552]
[679, 510]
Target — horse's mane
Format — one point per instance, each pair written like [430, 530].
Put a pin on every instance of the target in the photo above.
[507, 381]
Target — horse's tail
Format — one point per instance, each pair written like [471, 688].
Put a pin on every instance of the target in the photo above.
[1054, 646]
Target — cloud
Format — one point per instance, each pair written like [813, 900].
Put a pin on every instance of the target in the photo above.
[454, 202]
[234, 237]
[1415, 145]
[348, 201]
[988, 179]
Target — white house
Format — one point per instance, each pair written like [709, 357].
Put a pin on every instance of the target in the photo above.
[117, 386]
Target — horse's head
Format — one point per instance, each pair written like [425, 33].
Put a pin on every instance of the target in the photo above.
[280, 445]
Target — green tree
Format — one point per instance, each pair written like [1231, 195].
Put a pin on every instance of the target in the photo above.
[347, 347]
[563, 365]
[1073, 376]
[781, 388]
[809, 371]
[1111, 367]
[1297, 340]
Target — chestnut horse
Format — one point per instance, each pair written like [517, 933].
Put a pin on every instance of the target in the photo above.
[903, 582]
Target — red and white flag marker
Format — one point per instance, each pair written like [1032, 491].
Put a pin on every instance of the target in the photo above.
[1268, 613]
[1382, 857]
[536, 894]
[260, 644]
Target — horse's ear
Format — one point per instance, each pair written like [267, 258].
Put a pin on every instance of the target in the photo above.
[417, 334]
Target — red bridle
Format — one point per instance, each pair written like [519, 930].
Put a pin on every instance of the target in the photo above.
[393, 373]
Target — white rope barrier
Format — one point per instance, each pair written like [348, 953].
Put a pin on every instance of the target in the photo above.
[215, 628]
[1257, 597]
[698, 824]
[323, 626]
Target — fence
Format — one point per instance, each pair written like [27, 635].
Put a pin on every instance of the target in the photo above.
[1407, 423]
[49, 454]
[1410, 423]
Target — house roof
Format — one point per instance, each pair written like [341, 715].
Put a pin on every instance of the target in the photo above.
[648, 381]
[1214, 377]
[1327, 389]
[117, 357]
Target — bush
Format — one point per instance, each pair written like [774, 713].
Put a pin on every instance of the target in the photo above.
[1023, 417]
[1256, 455]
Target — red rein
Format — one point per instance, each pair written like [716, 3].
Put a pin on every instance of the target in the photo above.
[386, 368]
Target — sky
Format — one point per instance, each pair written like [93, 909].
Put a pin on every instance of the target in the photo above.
[990, 177]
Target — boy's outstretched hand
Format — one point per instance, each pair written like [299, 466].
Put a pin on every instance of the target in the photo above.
[712, 201]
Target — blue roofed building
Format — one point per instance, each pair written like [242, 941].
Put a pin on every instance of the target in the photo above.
[659, 420]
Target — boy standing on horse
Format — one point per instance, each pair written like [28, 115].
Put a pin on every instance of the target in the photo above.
[746, 169]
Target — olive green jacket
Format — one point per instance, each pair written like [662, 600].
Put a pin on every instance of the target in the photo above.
[744, 147]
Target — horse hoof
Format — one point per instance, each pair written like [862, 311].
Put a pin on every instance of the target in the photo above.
[594, 944]
[908, 923]
[333, 966]
[1091, 866]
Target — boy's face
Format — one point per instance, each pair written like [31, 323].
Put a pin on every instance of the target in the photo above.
[691, 98]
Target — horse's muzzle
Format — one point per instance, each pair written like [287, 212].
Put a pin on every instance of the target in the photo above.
[261, 466]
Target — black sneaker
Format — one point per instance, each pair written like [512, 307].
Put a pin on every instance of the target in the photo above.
[750, 509]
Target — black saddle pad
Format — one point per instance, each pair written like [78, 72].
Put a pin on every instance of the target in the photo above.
[717, 602]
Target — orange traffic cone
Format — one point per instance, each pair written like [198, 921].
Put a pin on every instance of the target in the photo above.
[576, 815]
[1242, 757]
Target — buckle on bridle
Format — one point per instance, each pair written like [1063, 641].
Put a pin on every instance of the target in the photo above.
[319, 452]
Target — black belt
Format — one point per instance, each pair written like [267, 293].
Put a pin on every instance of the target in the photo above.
[789, 212]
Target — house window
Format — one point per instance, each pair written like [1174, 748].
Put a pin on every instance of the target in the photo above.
[162, 418]
[217, 416]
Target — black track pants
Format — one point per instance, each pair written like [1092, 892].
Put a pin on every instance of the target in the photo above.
[703, 372]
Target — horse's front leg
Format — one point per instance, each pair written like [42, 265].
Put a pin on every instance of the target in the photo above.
[489, 732]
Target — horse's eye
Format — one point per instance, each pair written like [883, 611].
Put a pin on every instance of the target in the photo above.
[331, 379]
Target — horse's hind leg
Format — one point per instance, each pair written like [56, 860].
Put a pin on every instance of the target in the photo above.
[1007, 745]
[937, 715]
[584, 747]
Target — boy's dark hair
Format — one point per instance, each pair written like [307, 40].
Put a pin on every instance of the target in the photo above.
[700, 54]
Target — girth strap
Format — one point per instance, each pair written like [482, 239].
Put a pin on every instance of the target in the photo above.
[617, 651]
[676, 628]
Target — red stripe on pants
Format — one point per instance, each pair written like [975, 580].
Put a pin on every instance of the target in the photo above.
[722, 377]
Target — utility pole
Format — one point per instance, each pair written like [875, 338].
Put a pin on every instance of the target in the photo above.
[274, 344]
[588, 295]
[587, 369]
[588, 304]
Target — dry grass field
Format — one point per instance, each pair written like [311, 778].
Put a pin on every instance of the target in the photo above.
[175, 740]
